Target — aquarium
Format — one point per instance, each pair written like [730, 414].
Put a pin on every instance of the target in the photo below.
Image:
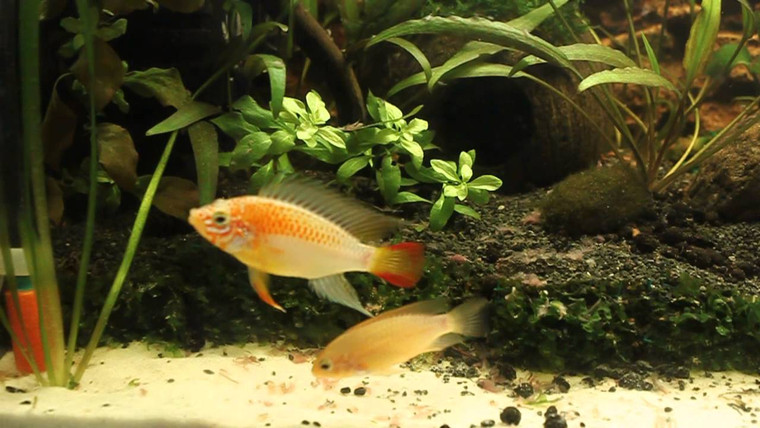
[422, 213]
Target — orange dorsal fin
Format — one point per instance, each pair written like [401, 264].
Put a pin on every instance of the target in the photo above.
[360, 220]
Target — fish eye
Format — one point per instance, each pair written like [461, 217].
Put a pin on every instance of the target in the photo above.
[219, 218]
[325, 365]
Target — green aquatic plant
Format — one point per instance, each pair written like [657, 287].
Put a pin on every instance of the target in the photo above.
[654, 133]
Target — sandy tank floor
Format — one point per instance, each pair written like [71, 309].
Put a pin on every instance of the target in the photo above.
[257, 386]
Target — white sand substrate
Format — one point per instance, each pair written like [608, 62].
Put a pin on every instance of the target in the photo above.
[258, 386]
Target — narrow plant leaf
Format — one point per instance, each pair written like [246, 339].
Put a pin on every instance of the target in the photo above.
[245, 13]
[109, 72]
[58, 129]
[184, 116]
[175, 196]
[634, 75]
[650, 54]
[702, 37]
[165, 84]
[117, 155]
[203, 138]
[749, 20]
[478, 29]
[274, 66]
[415, 52]
[441, 212]
[535, 17]
[469, 52]
[409, 197]
[182, 6]
[582, 52]
[469, 70]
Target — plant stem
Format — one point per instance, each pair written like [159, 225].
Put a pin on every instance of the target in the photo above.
[51, 321]
[84, 263]
[126, 262]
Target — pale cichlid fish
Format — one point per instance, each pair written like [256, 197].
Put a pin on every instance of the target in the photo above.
[379, 344]
[298, 228]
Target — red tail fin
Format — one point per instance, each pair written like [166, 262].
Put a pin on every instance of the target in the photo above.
[400, 264]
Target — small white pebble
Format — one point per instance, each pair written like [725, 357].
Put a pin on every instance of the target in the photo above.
[500, 207]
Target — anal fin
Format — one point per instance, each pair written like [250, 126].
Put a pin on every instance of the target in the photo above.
[443, 342]
[260, 283]
[336, 288]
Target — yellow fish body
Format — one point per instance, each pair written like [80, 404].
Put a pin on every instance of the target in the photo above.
[393, 337]
[299, 229]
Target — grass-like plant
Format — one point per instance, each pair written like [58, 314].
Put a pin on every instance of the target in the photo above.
[648, 140]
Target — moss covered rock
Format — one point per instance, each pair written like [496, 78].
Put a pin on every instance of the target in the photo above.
[595, 201]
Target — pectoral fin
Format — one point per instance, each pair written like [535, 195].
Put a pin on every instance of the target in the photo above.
[336, 288]
[260, 283]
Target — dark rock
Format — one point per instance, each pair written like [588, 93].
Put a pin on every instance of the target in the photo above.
[507, 371]
[603, 370]
[633, 380]
[646, 242]
[510, 415]
[524, 390]
[562, 384]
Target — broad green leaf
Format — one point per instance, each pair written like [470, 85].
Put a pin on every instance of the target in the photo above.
[261, 177]
[702, 37]
[163, 84]
[317, 108]
[718, 64]
[175, 196]
[234, 125]
[634, 75]
[294, 106]
[416, 126]
[71, 24]
[485, 182]
[389, 179]
[109, 72]
[245, 13]
[225, 158]
[478, 29]
[450, 191]
[254, 113]
[282, 142]
[383, 111]
[535, 17]
[469, 52]
[409, 197]
[274, 66]
[465, 159]
[413, 50]
[413, 148]
[250, 149]
[306, 131]
[117, 155]
[423, 174]
[478, 196]
[184, 116]
[441, 212]
[465, 210]
[110, 32]
[325, 153]
[446, 168]
[283, 164]
[203, 138]
[352, 166]
[465, 171]
[650, 54]
[331, 135]
[384, 136]
[471, 152]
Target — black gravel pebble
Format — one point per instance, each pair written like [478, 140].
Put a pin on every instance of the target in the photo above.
[524, 390]
[668, 409]
[345, 390]
[14, 390]
[553, 419]
[360, 391]
[25, 402]
[488, 423]
[551, 412]
[511, 415]
[305, 422]
[207, 371]
[562, 384]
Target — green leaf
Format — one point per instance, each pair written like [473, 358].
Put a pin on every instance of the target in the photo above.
[469, 52]
[441, 212]
[245, 13]
[465, 171]
[117, 155]
[331, 135]
[702, 37]
[422, 174]
[413, 148]
[389, 179]
[184, 116]
[749, 20]
[261, 177]
[71, 24]
[254, 113]
[583, 52]
[465, 210]
[446, 168]
[109, 72]
[282, 142]
[175, 196]
[317, 108]
[383, 111]
[478, 196]
[478, 29]
[535, 17]
[110, 32]
[294, 106]
[472, 69]
[250, 149]
[351, 167]
[718, 63]
[650, 54]
[163, 84]
[203, 138]
[413, 50]
[416, 126]
[234, 125]
[409, 197]
[634, 75]
[465, 159]
[283, 164]
[485, 182]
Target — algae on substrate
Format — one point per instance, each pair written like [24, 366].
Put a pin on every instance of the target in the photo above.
[594, 201]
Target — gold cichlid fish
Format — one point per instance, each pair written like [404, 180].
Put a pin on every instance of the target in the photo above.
[378, 344]
[300, 229]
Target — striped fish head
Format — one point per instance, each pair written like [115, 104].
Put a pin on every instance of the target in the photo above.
[220, 222]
